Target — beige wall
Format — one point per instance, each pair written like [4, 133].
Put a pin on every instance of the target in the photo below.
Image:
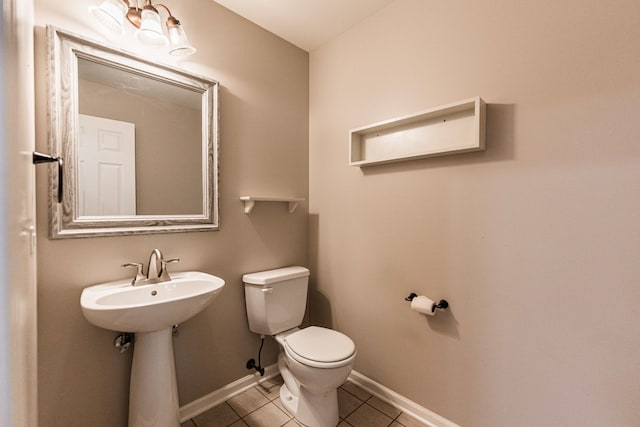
[83, 380]
[535, 242]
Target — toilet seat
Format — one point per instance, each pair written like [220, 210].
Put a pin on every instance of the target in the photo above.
[320, 347]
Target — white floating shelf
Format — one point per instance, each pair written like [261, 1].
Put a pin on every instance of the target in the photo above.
[250, 202]
[458, 127]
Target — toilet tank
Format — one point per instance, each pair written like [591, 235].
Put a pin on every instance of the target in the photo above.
[276, 299]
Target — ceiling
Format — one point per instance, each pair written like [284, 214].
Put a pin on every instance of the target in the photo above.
[305, 23]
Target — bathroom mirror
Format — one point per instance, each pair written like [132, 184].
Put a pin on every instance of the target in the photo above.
[139, 143]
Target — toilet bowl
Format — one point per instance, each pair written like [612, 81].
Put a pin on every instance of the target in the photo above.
[313, 361]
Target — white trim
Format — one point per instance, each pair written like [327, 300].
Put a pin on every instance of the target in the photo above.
[407, 406]
[216, 397]
[225, 393]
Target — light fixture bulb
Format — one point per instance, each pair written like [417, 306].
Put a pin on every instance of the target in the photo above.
[180, 45]
[110, 14]
[150, 31]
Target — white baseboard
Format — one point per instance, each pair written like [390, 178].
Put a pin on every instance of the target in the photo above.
[225, 393]
[407, 406]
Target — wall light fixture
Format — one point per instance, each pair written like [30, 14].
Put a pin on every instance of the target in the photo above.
[112, 13]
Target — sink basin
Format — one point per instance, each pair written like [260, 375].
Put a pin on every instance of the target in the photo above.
[120, 307]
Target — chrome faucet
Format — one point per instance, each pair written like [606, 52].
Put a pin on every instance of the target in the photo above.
[152, 266]
[154, 274]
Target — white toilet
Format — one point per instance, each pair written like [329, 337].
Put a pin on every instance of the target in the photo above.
[313, 361]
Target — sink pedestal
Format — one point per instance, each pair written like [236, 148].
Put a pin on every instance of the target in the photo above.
[153, 393]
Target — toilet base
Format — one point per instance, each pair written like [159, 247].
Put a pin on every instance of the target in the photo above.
[312, 410]
[289, 401]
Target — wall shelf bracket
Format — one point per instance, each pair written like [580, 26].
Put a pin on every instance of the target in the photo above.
[250, 202]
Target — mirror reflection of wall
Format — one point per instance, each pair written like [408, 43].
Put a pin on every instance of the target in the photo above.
[168, 142]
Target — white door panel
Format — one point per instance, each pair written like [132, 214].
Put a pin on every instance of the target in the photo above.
[106, 167]
[18, 328]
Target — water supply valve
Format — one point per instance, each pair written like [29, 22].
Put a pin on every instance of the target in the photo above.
[123, 341]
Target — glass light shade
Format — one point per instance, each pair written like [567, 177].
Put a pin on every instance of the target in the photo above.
[180, 45]
[150, 31]
[111, 15]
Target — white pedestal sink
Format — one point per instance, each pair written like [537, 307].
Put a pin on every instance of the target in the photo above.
[150, 311]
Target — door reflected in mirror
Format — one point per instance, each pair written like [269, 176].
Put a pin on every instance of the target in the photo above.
[106, 167]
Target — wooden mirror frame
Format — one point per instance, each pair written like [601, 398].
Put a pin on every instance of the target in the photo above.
[63, 52]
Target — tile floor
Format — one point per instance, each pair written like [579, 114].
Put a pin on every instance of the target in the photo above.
[260, 407]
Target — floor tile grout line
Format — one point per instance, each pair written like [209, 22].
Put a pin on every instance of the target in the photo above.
[354, 410]
[347, 391]
[396, 419]
[286, 413]
[375, 409]
[226, 402]
[378, 410]
[362, 402]
[240, 418]
[251, 412]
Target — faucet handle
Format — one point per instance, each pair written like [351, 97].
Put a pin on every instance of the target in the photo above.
[139, 274]
[164, 274]
[138, 265]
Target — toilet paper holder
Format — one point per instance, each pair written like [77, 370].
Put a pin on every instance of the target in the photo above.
[442, 305]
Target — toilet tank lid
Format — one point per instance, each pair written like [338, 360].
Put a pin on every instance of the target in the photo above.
[272, 276]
